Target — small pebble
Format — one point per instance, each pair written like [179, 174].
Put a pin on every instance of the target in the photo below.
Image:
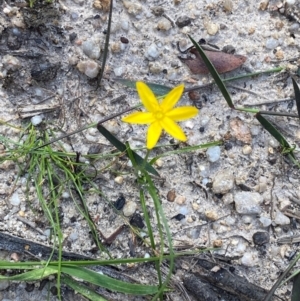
[195, 206]
[120, 202]
[164, 25]
[183, 21]
[262, 184]
[294, 27]
[65, 195]
[260, 238]
[189, 124]
[249, 259]
[74, 16]
[180, 199]
[190, 220]
[16, 32]
[124, 40]
[247, 219]
[247, 150]
[21, 213]
[241, 247]
[155, 67]
[184, 210]
[119, 71]
[263, 5]
[279, 54]
[15, 257]
[273, 143]
[159, 163]
[115, 47]
[152, 52]
[4, 284]
[227, 198]
[91, 48]
[204, 120]
[248, 203]
[89, 68]
[133, 7]
[211, 215]
[125, 25]
[194, 95]
[73, 236]
[223, 182]
[11, 63]
[72, 36]
[228, 5]
[171, 195]
[255, 130]
[213, 153]
[119, 180]
[137, 221]
[178, 217]
[29, 287]
[15, 200]
[36, 120]
[212, 28]
[290, 2]
[265, 222]
[229, 221]
[281, 219]
[129, 208]
[217, 243]
[271, 43]
[101, 4]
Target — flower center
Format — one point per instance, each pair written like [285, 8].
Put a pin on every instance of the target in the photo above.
[159, 115]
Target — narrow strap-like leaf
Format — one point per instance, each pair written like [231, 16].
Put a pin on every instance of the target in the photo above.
[274, 132]
[108, 282]
[158, 90]
[105, 51]
[214, 74]
[297, 95]
[82, 289]
[296, 288]
[122, 148]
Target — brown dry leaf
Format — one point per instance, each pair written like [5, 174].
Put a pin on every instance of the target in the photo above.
[240, 130]
[223, 62]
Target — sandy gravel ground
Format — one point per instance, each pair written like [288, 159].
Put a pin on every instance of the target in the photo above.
[242, 196]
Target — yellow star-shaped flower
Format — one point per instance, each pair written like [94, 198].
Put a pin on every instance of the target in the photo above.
[161, 115]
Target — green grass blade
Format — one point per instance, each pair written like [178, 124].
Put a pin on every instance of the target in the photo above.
[296, 288]
[105, 52]
[214, 73]
[275, 133]
[297, 96]
[158, 90]
[35, 274]
[82, 289]
[122, 148]
[108, 282]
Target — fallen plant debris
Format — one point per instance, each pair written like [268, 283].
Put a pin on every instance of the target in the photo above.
[223, 62]
[209, 281]
[23, 246]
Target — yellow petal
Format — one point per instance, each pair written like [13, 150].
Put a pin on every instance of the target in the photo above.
[172, 98]
[139, 118]
[147, 97]
[172, 128]
[153, 134]
[182, 113]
